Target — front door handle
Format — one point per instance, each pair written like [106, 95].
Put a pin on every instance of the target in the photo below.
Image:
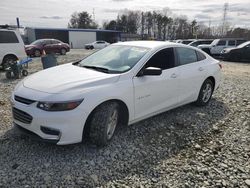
[174, 75]
[201, 69]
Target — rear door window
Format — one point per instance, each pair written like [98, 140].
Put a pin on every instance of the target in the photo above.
[8, 37]
[186, 55]
[231, 43]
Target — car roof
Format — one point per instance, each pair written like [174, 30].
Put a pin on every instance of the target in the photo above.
[150, 44]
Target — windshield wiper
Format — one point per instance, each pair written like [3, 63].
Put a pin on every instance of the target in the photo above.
[102, 69]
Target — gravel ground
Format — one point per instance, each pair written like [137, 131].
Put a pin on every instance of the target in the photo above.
[185, 147]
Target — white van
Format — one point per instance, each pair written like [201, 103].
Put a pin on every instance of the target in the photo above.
[218, 45]
[11, 47]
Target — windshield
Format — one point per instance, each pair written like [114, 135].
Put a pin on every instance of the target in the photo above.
[195, 43]
[114, 59]
[215, 42]
[243, 44]
[37, 42]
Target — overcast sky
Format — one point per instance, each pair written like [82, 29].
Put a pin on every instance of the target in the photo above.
[56, 13]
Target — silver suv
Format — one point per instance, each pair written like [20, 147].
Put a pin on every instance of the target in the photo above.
[11, 47]
[218, 45]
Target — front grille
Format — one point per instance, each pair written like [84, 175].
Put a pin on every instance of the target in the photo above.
[23, 100]
[21, 116]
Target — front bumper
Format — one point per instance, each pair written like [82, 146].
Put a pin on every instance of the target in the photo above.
[225, 56]
[62, 128]
[33, 135]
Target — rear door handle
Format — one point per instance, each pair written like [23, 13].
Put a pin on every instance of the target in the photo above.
[174, 75]
[201, 69]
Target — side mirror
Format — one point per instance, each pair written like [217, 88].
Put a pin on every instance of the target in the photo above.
[150, 71]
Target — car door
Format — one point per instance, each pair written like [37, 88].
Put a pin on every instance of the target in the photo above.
[192, 73]
[47, 46]
[246, 52]
[154, 93]
[98, 45]
[55, 46]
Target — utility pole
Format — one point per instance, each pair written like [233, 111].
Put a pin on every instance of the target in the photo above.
[93, 14]
[225, 9]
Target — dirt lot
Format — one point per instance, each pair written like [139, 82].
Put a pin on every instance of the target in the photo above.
[185, 147]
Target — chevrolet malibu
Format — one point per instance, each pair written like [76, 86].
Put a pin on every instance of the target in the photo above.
[118, 85]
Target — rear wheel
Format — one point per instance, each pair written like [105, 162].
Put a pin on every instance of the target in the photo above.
[8, 61]
[91, 47]
[205, 94]
[37, 53]
[103, 123]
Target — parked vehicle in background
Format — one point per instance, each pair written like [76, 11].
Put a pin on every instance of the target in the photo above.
[11, 47]
[121, 84]
[48, 45]
[239, 53]
[200, 41]
[218, 45]
[97, 45]
[185, 41]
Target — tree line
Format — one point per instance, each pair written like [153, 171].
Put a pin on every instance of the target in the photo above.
[158, 25]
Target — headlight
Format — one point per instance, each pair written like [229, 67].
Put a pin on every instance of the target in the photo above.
[59, 106]
[225, 51]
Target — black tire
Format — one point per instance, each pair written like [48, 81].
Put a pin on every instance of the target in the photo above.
[7, 61]
[100, 132]
[8, 75]
[63, 51]
[205, 93]
[25, 73]
[37, 53]
[91, 47]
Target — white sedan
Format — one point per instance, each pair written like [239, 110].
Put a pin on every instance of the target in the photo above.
[97, 45]
[121, 84]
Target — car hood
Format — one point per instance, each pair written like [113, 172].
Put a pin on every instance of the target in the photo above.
[204, 46]
[67, 78]
[30, 46]
[89, 44]
[229, 49]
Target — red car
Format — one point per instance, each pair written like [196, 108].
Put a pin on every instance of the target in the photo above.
[48, 45]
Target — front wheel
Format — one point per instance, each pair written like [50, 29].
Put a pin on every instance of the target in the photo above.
[63, 51]
[8, 74]
[25, 72]
[205, 94]
[103, 123]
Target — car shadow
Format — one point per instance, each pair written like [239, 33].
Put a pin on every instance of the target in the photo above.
[134, 150]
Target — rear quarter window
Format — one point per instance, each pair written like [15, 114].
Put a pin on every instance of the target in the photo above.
[8, 37]
[186, 55]
[200, 56]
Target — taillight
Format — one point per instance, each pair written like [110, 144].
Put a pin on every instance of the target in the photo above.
[220, 65]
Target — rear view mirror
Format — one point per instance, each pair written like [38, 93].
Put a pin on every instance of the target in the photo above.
[151, 71]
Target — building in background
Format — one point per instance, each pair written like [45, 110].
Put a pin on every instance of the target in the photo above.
[76, 38]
